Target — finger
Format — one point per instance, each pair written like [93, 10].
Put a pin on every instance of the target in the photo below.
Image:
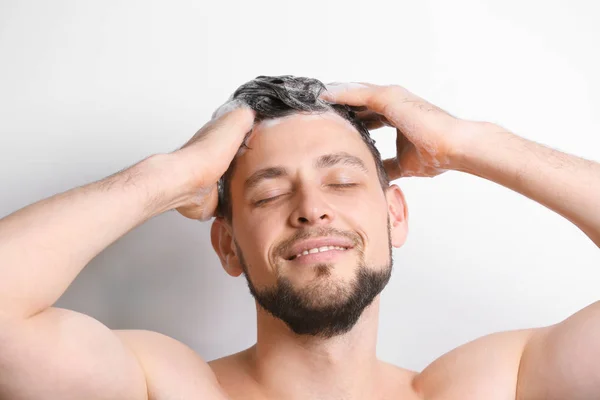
[373, 125]
[392, 168]
[358, 109]
[224, 134]
[376, 98]
[369, 118]
[364, 98]
[351, 93]
[227, 107]
[373, 120]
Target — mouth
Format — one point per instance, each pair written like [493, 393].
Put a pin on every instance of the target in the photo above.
[318, 250]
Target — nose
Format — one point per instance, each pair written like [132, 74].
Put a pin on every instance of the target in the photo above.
[312, 209]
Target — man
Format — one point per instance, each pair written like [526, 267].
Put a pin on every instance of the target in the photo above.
[306, 213]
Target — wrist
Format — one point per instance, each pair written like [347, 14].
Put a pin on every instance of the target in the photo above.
[165, 181]
[474, 138]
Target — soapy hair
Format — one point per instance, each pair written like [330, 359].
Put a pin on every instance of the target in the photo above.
[279, 96]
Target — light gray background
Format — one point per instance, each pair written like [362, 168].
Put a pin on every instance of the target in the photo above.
[88, 88]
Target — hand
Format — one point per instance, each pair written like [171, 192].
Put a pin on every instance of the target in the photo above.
[428, 138]
[207, 155]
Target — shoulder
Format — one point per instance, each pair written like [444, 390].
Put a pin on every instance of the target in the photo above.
[487, 367]
[172, 369]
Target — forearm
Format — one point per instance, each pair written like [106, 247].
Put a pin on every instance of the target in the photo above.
[564, 183]
[45, 245]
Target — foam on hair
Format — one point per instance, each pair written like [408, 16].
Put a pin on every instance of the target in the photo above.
[278, 96]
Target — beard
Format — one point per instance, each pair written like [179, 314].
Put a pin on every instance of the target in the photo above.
[323, 309]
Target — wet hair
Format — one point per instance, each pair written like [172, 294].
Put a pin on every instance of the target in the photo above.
[279, 96]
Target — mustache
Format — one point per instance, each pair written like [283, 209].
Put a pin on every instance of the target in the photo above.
[282, 248]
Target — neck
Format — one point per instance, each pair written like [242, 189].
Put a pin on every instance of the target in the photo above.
[293, 366]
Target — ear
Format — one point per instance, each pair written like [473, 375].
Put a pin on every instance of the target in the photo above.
[222, 241]
[398, 214]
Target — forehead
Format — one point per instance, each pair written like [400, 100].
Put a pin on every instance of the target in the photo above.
[299, 139]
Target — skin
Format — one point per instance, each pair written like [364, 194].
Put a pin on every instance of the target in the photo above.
[52, 353]
[307, 199]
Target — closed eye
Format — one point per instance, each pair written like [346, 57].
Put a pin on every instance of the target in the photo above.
[337, 186]
[265, 201]
[343, 185]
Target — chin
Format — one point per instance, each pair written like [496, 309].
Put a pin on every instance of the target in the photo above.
[326, 306]
[325, 293]
[322, 280]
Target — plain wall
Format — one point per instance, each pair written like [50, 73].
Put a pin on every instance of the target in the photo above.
[89, 88]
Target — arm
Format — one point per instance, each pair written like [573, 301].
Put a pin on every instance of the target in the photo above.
[560, 361]
[564, 183]
[53, 353]
[45, 245]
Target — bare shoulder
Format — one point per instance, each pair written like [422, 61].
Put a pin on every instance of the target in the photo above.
[484, 368]
[172, 369]
[234, 363]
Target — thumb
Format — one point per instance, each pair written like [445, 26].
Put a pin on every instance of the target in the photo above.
[226, 130]
[210, 151]
[350, 93]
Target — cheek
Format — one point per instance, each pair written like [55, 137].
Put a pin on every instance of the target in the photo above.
[370, 215]
[379, 243]
[255, 237]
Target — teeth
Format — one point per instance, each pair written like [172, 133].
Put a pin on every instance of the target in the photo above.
[319, 250]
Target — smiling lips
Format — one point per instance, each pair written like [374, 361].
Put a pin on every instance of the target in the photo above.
[322, 245]
[318, 250]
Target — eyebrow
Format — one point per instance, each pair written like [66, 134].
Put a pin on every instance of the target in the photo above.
[324, 161]
[330, 160]
[262, 174]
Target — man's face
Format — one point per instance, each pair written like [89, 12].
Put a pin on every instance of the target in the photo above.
[310, 222]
